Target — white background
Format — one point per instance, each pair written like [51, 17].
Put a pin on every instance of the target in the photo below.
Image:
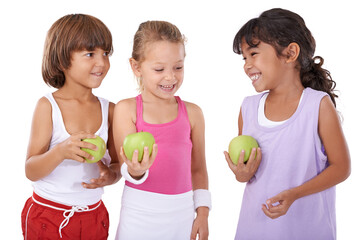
[214, 80]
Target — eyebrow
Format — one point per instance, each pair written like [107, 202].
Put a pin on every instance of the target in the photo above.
[251, 47]
[164, 62]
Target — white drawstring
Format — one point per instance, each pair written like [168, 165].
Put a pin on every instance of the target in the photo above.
[68, 213]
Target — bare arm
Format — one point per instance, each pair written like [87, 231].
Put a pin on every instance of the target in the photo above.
[124, 124]
[115, 163]
[336, 148]
[198, 163]
[40, 161]
[108, 174]
[244, 172]
[338, 170]
[240, 123]
[198, 167]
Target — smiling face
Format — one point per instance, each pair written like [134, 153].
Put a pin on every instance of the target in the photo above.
[88, 68]
[162, 70]
[263, 66]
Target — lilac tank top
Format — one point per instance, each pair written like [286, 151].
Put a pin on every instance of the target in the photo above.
[171, 170]
[292, 153]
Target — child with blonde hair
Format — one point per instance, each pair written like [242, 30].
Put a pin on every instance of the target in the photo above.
[162, 193]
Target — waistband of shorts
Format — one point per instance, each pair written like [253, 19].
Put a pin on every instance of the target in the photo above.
[156, 202]
[59, 206]
[68, 211]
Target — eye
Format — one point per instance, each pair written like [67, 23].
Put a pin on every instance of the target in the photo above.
[89, 54]
[253, 54]
[159, 70]
[106, 54]
[179, 68]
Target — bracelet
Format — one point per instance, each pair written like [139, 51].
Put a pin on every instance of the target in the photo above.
[129, 178]
[202, 198]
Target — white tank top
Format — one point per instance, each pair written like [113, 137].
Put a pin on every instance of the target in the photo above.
[262, 119]
[63, 184]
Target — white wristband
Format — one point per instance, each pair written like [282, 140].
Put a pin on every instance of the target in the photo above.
[125, 174]
[202, 198]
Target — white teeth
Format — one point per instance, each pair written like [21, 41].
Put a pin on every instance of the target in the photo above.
[167, 86]
[254, 77]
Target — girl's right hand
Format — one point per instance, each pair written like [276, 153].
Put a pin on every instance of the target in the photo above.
[137, 169]
[245, 171]
[71, 147]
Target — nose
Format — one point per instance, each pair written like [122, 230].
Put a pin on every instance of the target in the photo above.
[247, 65]
[170, 75]
[100, 60]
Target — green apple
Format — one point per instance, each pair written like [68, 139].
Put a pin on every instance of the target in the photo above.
[138, 141]
[242, 142]
[99, 153]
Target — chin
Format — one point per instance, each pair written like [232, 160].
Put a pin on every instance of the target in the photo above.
[259, 88]
[169, 93]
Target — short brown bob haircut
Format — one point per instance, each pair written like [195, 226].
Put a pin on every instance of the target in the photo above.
[73, 32]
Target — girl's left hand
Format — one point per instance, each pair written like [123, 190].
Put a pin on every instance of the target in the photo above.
[106, 177]
[200, 225]
[283, 202]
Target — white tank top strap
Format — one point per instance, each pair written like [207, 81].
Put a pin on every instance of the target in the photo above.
[105, 112]
[58, 122]
[59, 128]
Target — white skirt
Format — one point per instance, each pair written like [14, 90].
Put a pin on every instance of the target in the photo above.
[153, 216]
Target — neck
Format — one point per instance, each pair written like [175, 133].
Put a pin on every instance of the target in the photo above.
[289, 88]
[151, 98]
[73, 92]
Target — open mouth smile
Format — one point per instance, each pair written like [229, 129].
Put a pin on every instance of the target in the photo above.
[254, 76]
[167, 87]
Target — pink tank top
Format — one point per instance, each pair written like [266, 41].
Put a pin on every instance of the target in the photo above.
[171, 170]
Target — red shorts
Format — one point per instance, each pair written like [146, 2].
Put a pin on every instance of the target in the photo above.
[57, 221]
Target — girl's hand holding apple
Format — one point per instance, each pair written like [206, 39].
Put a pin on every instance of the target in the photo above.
[245, 171]
[137, 169]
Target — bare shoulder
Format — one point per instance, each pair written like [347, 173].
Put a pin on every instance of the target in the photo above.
[43, 107]
[126, 104]
[195, 114]
[327, 109]
[41, 128]
[192, 108]
[126, 108]
[329, 121]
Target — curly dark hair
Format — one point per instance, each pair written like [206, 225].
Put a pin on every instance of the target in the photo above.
[279, 27]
